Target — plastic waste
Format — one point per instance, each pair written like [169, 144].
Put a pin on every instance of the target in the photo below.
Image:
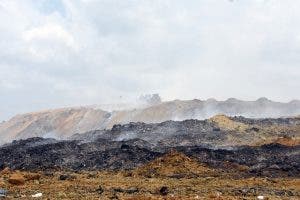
[37, 195]
[3, 193]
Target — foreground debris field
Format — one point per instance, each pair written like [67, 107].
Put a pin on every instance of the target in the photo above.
[173, 176]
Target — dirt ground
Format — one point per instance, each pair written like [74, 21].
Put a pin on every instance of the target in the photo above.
[124, 185]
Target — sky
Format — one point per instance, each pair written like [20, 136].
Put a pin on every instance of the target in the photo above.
[56, 53]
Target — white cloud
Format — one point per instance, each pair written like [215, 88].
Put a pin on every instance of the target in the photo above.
[44, 42]
[70, 52]
[51, 32]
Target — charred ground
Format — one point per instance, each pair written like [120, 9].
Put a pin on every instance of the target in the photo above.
[239, 141]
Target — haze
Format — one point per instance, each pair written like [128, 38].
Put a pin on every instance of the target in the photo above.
[56, 53]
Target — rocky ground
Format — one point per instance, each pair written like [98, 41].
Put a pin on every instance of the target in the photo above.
[220, 158]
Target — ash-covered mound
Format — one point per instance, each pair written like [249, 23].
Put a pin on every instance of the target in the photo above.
[267, 160]
[218, 132]
[222, 142]
[100, 154]
[273, 160]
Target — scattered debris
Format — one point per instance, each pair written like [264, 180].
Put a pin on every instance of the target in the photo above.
[164, 191]
[64, 177]
[100, 190]
[92, 175]
[260, 197]
[128, 191]
[48, 173]
[37, 195]
[3, 192]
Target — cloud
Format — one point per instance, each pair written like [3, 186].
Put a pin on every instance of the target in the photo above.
[51, 32]
[47, 40]
[63, 52]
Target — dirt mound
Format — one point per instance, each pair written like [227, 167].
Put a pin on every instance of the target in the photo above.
[57, 123]
[225, 123]
[173, 165]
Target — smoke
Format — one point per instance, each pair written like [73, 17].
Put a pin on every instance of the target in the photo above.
[260, 108]
[51, 134]
[141, 102]
[126, 136]
[150, 99]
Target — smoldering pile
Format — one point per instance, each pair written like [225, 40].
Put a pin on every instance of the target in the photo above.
[220, 142]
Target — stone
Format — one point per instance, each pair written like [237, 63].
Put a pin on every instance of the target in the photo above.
[16, 179]
[164, 191]
[64, 177]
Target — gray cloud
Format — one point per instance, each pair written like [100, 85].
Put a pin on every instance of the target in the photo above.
[74, 52]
